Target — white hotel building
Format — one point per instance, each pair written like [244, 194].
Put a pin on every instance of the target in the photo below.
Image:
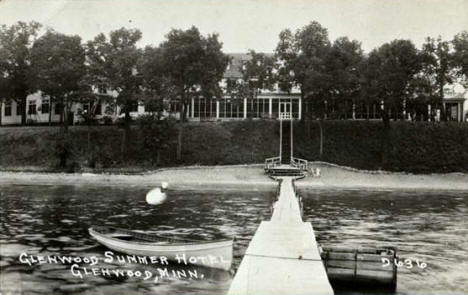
[264, 105]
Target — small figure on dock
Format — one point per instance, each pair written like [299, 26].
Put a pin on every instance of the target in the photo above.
[315, 172]
[157, 195]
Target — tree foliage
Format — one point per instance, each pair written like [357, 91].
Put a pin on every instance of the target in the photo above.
[258, 72]
[58, 66]
[155, 84]
[194, 64]
[460, 57]
[15, 62]
[344, 68]
[302, 57]
[389, 72]
[437, 65]
[113, 65]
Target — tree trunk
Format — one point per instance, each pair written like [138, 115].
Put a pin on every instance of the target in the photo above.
[65, 117]
[303, 106]
[443, 112]
[125, 135]
[23, 110]
[385, 138]
[321, 139]
[180, 135]
[50, 113]
[89, 137]
[64, 146]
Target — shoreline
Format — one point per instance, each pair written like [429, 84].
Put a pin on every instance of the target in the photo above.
[247, 177]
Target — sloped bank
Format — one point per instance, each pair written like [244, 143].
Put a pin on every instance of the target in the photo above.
[419, 147]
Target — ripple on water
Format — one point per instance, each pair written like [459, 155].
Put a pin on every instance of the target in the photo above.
[429, 226]
[14, 250]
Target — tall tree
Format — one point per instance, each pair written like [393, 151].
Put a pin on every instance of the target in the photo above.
[113, 65]
[302, 60]
[437, 61]
[343, 64]
[195, 65]
[58, 65]
[302, 57]
[460, 56]
[155, 85]
[390, 71]
[15, 62]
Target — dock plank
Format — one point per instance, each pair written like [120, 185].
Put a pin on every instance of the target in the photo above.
[283, 256]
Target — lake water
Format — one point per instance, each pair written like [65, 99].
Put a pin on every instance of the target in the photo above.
[54, 220]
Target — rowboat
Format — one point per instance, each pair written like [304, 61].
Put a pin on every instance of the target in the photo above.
[208, 253]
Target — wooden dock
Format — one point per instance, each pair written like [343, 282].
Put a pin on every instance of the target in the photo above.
[283, 256]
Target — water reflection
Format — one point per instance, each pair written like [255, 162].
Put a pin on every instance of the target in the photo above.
[54, 220]
[431, 227]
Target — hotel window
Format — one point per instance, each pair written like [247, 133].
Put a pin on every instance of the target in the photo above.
[45, 106]
[8, 109]
[32, 107]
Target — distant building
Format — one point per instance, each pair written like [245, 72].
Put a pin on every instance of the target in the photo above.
[456, 102]
[265, 104]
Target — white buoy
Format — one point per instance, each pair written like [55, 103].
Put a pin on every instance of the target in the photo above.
[157, 195]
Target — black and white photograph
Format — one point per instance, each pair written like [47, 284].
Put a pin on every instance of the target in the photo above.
[233, 147]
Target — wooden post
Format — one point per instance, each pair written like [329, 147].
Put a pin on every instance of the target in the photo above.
[281, 137]
[270, 107]
[292, 138]
[300, 109]
[245, 108]
[217, 109]
[192, 108]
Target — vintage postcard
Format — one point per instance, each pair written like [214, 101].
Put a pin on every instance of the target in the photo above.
[233, 147]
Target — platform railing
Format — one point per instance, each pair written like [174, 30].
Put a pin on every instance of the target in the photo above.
[299, 163]
[272, 162]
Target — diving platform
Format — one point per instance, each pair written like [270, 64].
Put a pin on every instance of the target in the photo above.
[297, 167]
[283, 256]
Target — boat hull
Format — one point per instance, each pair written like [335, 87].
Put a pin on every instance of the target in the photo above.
[217, 254]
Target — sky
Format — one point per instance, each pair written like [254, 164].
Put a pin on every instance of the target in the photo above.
[248, 24]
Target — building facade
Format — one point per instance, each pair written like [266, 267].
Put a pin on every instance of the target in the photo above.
[265, 104]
